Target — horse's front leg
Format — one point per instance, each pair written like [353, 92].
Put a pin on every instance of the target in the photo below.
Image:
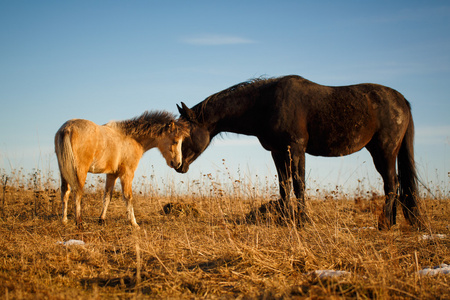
[109, 188]
[282, 163]
[298, 178]
[126, 182]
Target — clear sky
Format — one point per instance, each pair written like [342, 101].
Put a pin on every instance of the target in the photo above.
[104, 60]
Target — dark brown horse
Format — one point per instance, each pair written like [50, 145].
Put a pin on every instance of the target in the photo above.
[292, 116]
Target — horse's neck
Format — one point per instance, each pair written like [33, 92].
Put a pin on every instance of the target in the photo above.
[228, 114]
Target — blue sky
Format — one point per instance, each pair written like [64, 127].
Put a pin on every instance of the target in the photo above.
[104, 60]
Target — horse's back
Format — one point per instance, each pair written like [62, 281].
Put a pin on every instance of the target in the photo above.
[338, 120]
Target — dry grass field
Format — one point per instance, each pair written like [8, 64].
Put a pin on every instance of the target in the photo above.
[200, 246]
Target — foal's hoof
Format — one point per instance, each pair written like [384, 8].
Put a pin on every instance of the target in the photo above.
[80, 225]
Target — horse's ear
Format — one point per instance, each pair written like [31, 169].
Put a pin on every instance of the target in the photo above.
[186, 112]
[180, 110]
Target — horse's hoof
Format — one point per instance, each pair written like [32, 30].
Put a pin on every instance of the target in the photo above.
[303, 219]
[101, 221]
[383, 222]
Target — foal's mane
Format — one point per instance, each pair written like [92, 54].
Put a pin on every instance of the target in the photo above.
[150, 123]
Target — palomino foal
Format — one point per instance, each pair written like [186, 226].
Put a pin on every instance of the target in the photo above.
[115, 148]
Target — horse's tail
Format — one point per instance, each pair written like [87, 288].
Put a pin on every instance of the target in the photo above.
[66, 159]
[407, 174]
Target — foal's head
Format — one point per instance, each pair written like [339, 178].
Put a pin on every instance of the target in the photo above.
[172, 137]
[197, 141]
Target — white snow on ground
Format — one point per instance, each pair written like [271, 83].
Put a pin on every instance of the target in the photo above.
[328, 273]
[72, 242]
[441, 269]
[432, 236]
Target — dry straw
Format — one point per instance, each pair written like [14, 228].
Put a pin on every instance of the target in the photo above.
[205, 248]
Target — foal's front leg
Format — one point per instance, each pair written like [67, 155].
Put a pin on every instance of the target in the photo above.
[109, 188]
[126, 181]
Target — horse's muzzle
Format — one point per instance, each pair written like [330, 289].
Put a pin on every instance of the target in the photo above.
[183, 168]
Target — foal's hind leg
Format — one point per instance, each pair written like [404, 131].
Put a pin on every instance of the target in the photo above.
[109, 188]
[77, 194]
[65, 194]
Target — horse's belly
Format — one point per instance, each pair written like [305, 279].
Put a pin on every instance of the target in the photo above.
[335, 148]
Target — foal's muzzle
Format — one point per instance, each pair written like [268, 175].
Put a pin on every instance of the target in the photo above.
[175, 165]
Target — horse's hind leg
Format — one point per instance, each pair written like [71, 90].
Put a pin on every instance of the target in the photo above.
[126, 182]
[109, 188]
[385, 165]
[65, 194]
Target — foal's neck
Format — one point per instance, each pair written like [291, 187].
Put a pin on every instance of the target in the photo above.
[146, 142]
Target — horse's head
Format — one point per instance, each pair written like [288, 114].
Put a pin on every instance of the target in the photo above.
[170, 146]
[197, 141]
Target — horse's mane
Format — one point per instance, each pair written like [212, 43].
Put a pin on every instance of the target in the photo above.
[150, 123]
[233, 91]
[241, 87]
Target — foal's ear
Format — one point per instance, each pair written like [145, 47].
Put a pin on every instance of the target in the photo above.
[186, 112]
[170, 127]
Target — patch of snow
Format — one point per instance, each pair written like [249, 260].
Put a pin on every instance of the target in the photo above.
[441, 269]
[72, 243]
[363, 228]
[432, 236]
[328, 273]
